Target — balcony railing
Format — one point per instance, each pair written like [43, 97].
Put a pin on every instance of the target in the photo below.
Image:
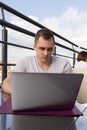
[69, 47]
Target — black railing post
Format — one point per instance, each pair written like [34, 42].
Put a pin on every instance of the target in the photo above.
[74, 58]
[4, 54]
[55, 50]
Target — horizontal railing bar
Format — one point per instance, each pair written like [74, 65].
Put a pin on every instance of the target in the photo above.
[12, 26]
[58, 44]
[64, 56]
[83, 48]
[7, 64]
[11, 44]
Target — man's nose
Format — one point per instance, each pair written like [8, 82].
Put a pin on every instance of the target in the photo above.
[45, 52]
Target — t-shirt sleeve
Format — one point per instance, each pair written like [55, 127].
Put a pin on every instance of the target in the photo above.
[21, 66]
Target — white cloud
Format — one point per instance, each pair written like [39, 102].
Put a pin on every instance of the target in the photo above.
[72, 25]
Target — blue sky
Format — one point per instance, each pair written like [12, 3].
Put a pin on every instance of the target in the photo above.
[45, 8]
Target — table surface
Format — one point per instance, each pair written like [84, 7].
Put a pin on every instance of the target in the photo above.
[29, 122]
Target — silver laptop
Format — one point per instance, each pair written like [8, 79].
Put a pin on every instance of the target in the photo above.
[44, 91]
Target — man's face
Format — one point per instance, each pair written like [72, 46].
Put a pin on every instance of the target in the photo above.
[44, 49]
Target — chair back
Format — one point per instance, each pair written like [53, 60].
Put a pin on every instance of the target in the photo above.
[82, 95]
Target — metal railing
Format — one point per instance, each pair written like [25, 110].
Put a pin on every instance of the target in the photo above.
[5, 25]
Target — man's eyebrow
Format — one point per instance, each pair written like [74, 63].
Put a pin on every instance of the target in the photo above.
[46, 48]
[49, 48]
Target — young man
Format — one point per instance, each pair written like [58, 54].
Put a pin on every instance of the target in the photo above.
[43, 61]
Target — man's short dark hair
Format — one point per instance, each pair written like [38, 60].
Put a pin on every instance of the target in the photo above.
[82, 56]
[45, 33]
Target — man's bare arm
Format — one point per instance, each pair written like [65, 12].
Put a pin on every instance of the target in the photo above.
[6, 85]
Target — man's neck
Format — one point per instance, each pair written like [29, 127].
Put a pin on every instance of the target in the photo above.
[44, 65]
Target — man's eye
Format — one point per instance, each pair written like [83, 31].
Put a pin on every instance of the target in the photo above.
[41, 48]
[50, 49]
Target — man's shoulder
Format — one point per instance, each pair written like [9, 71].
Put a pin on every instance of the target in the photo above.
[27, 59]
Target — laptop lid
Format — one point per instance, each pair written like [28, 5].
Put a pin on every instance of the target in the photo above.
[44, 91]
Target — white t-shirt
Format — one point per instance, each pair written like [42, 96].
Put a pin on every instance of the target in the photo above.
[81, 65]
[58, 65]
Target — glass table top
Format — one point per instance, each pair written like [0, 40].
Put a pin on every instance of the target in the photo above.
[32, 122]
